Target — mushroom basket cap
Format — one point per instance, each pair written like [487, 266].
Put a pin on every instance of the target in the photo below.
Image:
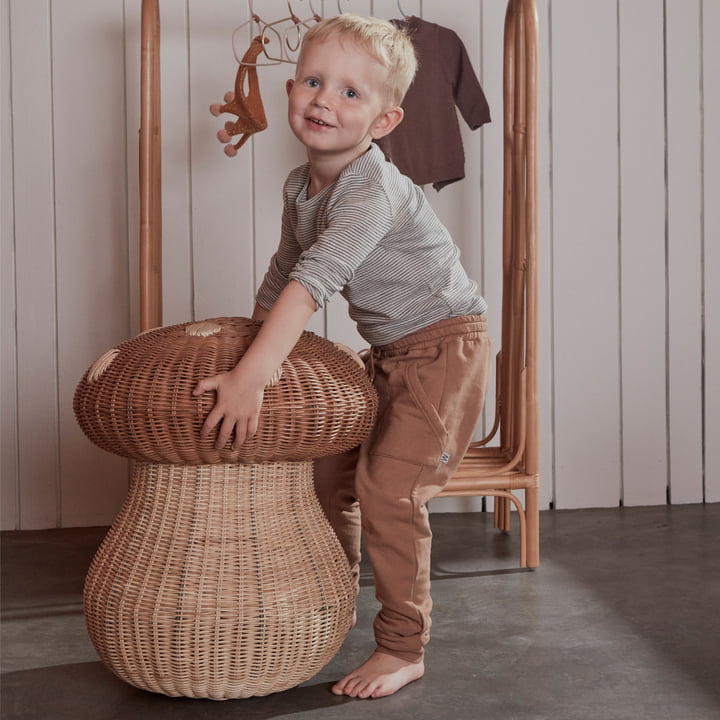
[136, 400]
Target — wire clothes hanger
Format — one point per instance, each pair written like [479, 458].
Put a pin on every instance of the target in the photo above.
[314, 18]
[285, 46]
[286, 42]
[261, 27]
[295, 45]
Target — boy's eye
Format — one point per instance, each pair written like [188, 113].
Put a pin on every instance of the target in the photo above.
[350, 93]
[312, 82]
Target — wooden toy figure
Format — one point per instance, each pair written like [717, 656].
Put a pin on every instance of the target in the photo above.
[247, 105]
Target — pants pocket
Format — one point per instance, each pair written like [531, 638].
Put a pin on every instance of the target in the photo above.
[425, 404]
[409, 427]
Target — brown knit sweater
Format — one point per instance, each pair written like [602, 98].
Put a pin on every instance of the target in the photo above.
[427, 145]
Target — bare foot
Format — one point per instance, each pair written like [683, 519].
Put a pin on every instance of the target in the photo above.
[379, 676]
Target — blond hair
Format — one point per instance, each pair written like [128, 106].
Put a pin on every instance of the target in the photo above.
[389, 45]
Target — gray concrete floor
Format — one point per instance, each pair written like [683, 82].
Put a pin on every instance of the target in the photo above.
[621, 621]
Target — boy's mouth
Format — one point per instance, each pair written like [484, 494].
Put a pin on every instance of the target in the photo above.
[317, 121]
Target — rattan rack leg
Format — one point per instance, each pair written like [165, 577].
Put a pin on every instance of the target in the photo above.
[533, 526]
[504, 497]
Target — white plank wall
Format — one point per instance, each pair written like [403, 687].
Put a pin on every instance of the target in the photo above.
[684, 248]
[91, 236]
[37, 418]
[585, 247]
[711, 252]
[641, 190]
[630, 260]
[8, 355]
[545, 260]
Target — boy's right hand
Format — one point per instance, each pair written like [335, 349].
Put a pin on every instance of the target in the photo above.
[237, 408]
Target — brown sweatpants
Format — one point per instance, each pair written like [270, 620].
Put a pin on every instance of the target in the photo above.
[432, 386]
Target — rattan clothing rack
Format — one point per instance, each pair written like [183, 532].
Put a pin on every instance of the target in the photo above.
[510, 464]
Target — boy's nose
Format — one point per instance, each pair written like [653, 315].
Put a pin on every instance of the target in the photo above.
[322, 99]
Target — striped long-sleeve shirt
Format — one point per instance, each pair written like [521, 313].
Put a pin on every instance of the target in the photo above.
[373, 237]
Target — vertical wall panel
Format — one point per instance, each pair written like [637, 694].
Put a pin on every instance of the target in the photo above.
[91, 235]
[488, 267]
[585, 211]
[8, 379]
[545, 384]
[222, 187]
[35, 264]
[684, 250]
[642, 236]
[711, 237]
[176, 165]
[132, 142]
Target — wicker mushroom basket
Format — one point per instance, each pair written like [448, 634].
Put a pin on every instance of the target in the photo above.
[221, 577]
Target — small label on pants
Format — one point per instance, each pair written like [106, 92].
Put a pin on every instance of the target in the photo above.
[444, 458]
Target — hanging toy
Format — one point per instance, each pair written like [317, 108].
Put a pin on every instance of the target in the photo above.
[246, 105]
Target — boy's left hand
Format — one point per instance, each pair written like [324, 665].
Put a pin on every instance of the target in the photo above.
[237, 408]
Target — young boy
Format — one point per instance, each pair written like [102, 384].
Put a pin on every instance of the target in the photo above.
[353, 224]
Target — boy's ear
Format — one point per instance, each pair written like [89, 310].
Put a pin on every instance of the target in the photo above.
[289, 85]
[386, 122]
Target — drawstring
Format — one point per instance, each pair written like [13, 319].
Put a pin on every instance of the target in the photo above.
[368, 356]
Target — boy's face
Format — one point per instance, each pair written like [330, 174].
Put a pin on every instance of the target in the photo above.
[337, 103]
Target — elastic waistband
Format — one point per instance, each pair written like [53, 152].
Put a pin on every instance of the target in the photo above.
[465, 325]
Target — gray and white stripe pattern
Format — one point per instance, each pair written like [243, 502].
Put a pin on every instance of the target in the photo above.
[373, 237]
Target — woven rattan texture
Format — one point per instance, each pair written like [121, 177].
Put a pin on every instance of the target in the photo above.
[219, 581]
[137, 401]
